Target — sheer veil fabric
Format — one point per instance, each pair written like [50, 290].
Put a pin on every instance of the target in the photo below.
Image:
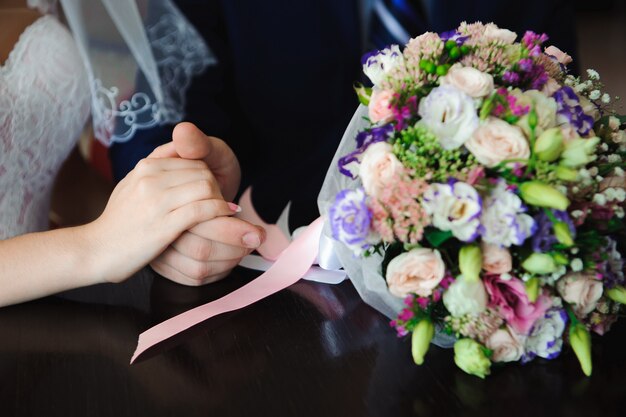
[140, 56]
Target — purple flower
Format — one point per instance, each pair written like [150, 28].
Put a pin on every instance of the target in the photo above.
[453, 35]
[612, 268]
[544, 238]
[546, 337]
[569, 110]
[533, 41]
[350, 220]
[364, 139]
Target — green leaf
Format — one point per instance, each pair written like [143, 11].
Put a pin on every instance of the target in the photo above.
[437, 237]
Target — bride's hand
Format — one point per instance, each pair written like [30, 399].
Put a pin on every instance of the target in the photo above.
[210, 250]
[150, 208]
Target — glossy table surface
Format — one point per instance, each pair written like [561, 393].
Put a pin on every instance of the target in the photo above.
[310, 350]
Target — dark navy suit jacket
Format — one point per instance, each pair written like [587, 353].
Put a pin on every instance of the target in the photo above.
[281, 95]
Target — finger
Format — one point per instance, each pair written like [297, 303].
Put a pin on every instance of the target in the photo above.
[231, 231]
[155, 165]
[193, 271]
[189, 215]
[183, 194]
[200, 249]
[184, 176]
[167, 150]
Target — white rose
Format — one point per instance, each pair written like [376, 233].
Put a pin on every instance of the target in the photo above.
[507, 346]
[450, 114]
[379, 168]
[465, 297]
[589, 108]
[471, 81]
[493, 32]
[377, 66]
[496, 141]
[417, 271]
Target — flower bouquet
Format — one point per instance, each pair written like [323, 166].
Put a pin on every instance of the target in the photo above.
[478, 195]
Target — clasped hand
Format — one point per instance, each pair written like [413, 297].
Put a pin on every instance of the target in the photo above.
[177, 203]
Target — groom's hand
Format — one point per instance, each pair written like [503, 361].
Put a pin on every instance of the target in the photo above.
[210, 250]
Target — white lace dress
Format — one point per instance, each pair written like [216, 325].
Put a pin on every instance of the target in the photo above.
[44, 104]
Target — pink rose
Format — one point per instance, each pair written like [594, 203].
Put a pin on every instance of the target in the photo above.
[496, 259]
[418, 271]
[510, 300]
[471, 81]
[582, 290]
[496, 141]
[560, 56]
[379, 168]
[506, 344]
[380, 106]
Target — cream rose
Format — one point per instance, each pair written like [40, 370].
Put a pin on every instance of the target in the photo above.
[544, 106]
[496, 141]
[380, 106]
[493, 32]
[471, 81]
[379, 168]
[589, 108]
[582, 290]
[507, 346]
[417, 271]
[496, 259]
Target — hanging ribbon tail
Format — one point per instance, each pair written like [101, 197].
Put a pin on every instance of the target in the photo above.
[292, 265]
[276, 240]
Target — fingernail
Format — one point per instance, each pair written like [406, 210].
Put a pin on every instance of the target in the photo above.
[234, 207]
[251, 240]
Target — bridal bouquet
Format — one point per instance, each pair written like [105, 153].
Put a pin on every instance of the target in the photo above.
[483, 188]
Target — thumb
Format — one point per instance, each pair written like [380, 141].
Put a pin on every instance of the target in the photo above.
[191, 143]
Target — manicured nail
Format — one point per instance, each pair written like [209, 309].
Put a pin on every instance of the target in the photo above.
[234, 207]
[251, 240]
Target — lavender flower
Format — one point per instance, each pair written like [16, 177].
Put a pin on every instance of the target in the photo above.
[363, 140]
[377, 64]
[350, 220]
[453, 35]
[503, 220]
[546, 337]
[544, 237]
[611, 269]
[571, 111]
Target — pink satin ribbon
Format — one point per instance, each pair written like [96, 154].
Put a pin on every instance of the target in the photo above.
[292, 264]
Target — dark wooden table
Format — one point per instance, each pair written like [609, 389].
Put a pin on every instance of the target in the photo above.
[312, 350]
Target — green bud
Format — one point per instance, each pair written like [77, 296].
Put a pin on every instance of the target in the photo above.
[469, 355]
[465, 49]
[420, 341]
[428, 66]
[566, 174]
[560, 258]
[562, 234]
[442, 70]
[579, 152]
[617, 294]
[363, 93]
[539, 194]
[532, 289]
[486, 108]
[470, 262]
[549, 145]
[450, 44]
[532, 119]
[455, 52]
[580, 340]
[539, 263]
